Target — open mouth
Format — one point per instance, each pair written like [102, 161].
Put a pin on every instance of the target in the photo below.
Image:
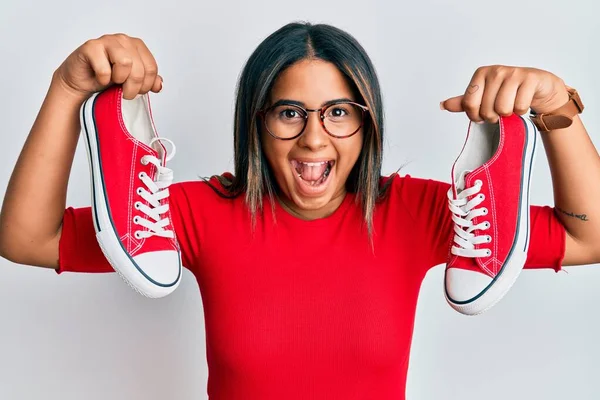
[313, 173]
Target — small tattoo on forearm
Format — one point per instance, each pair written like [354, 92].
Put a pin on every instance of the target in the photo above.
[582, 217]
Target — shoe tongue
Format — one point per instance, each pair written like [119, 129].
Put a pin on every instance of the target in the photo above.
[161, 153]
[460, 180]
[311, 172]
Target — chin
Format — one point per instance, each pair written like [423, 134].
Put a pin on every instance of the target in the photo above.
[310, 203]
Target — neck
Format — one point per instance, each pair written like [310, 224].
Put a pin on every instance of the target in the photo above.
[309, 215]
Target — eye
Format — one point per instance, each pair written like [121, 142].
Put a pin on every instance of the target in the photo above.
[287, 113]
[338, 112]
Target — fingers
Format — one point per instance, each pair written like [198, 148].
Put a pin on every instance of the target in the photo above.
[504, 102]
[158, 84]
[95, 55]
[471, 101]
[493, 92]
[133, 84]
[453, 104]
[123, 60]
[524, 96]
[151, 79]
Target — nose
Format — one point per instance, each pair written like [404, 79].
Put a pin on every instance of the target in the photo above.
[314, 137]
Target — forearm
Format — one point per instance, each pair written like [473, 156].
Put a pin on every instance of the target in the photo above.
[35, 198]
[575, 168]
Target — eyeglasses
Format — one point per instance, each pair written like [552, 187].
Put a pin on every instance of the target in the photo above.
[288, 121]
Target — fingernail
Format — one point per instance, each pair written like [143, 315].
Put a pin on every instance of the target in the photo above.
[479, 122]
[442, 105]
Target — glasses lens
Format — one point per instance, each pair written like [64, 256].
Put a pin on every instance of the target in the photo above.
[343, 119]
[285, 121]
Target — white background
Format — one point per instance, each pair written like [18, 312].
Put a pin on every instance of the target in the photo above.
[90, 337]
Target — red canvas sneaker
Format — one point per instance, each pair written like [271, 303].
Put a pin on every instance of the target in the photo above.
[489, 200]
[130, 195]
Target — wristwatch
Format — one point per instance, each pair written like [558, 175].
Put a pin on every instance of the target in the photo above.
[560, 118]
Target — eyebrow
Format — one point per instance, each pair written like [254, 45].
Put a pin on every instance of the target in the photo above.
[303, 105]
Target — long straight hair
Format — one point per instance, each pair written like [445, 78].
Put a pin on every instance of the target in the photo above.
[292, 43]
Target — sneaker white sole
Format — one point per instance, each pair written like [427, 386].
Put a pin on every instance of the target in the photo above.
[517, 256]
[106, 234]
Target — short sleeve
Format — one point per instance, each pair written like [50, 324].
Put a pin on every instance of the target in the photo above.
[427, 202]
[79, 250]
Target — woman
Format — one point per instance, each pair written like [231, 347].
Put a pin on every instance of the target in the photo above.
[308, 261]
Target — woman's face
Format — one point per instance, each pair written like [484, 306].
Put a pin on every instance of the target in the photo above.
[311, 170]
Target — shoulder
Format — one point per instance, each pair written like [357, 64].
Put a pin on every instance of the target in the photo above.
[412, 193]
[207, 191]
[409, 185]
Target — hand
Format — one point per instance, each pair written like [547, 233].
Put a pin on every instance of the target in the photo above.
[110, 59]
[500, 90]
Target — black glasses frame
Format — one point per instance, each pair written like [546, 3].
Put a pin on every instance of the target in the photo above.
[321, 111]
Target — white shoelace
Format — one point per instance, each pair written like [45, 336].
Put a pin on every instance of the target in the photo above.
[153, 193]
[463, 212]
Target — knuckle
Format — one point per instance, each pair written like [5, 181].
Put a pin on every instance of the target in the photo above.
[481, 70]
[151, 69]
[495, 73]
[136, 78]
[520, 109]
[121, 36]
[469, 105]
[91, 44]
[504, 111]
[103, 72]
[125, 60]
[487, 114]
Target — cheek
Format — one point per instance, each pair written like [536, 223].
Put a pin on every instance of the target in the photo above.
[350, 151]
[276, 153]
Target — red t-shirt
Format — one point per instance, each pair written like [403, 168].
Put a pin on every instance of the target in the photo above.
[299, 309]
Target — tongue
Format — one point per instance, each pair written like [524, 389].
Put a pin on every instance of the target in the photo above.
[311, 173]
[460, 182]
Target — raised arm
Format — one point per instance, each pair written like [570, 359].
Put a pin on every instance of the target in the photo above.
[34, 203]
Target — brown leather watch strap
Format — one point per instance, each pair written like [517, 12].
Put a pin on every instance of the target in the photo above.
[560, 118]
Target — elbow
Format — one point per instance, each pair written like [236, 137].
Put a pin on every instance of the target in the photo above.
[6, 251]
[13, 246]
[24, 249]
[9, 249]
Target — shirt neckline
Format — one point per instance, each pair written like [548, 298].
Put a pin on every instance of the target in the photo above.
[283, 214]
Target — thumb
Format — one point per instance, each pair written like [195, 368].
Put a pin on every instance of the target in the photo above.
[453, 104]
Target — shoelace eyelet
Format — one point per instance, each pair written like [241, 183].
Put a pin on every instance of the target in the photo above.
[139, 191]
[484, 210]
[142, 175]
[489, 239]
[137, 205]
[137, 235]
[489, 252]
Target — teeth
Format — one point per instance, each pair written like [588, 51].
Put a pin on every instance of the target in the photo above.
[314, 164]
